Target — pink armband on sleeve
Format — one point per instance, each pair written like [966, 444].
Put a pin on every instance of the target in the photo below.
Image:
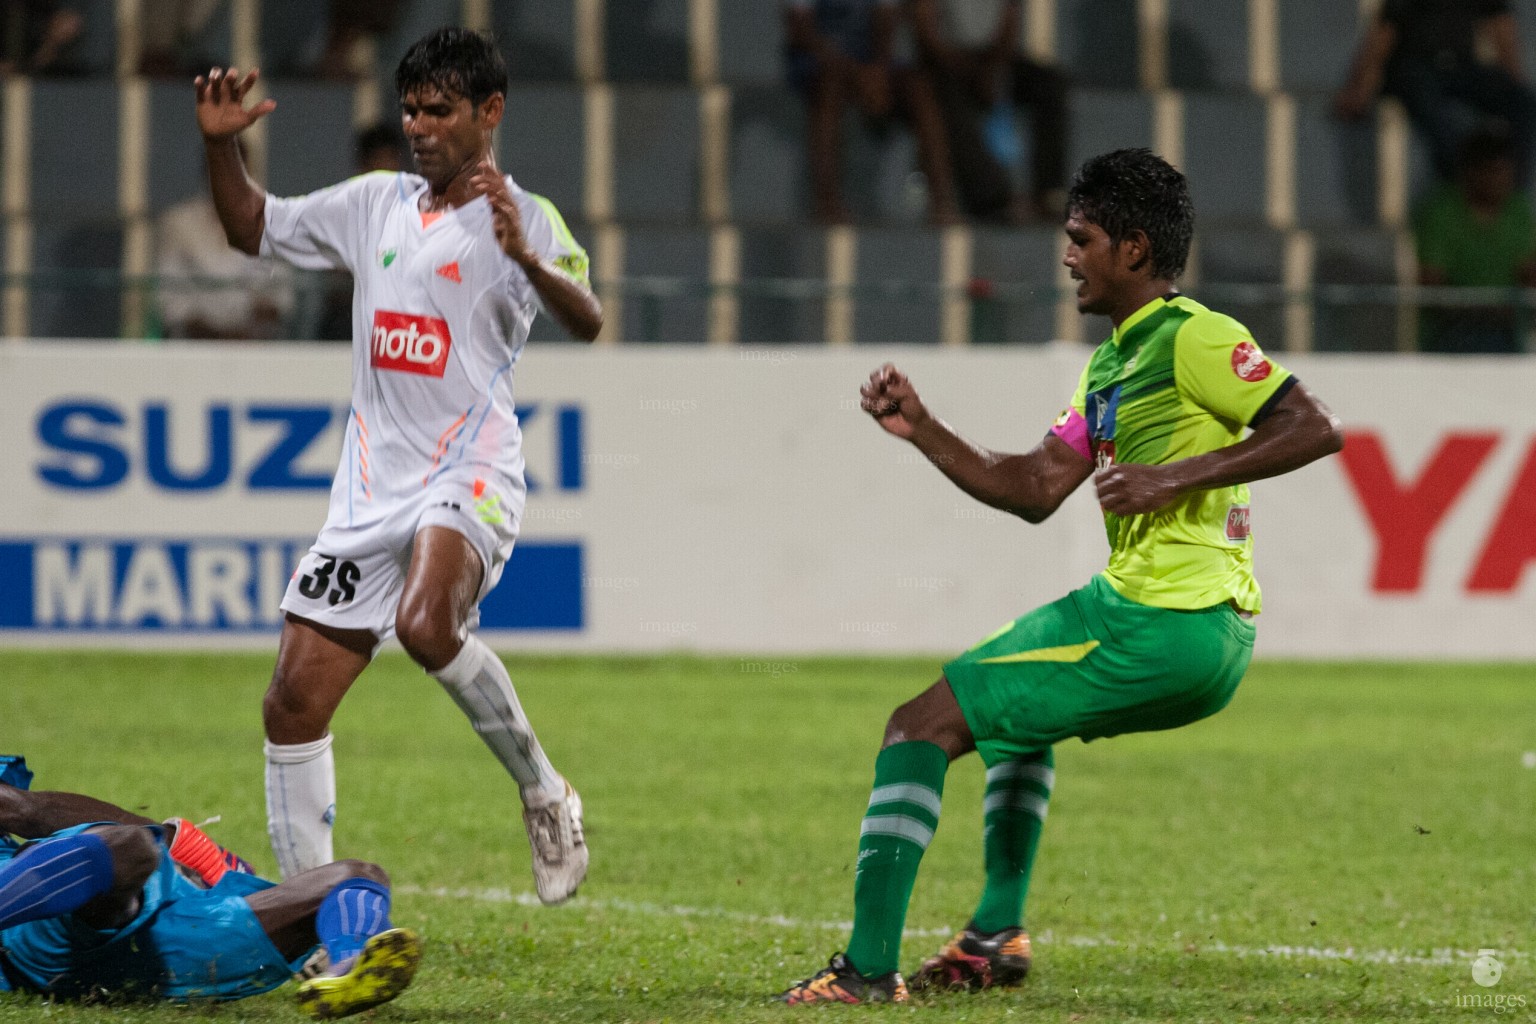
[1072, 428]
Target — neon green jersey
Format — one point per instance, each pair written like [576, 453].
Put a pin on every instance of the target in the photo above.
[1176, 380]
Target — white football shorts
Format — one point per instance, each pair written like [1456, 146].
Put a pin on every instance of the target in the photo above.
[352, 578]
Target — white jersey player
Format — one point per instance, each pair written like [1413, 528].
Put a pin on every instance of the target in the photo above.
[451, 265]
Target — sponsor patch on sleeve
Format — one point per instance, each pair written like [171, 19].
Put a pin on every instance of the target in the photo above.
[573, 264]
[1249, 363]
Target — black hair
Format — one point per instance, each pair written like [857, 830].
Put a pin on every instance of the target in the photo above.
[459, 61]
[384, 135]
[1136, 190]
[1483, 147]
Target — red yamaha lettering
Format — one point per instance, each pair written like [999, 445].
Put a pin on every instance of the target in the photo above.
[414, 344]
[1405, 513]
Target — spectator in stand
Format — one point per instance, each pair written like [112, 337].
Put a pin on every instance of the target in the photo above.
[350, 22]
[1477, 232]
[380, 147]
[167, 30]
[35, 35]
[983, 79]
[842, 52]
[209, 290]
[1425, 53]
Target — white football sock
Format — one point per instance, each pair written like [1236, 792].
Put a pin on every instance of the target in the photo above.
[478, 683]
[301, 803]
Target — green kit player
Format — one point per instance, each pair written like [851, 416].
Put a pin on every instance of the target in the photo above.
[1159, 639]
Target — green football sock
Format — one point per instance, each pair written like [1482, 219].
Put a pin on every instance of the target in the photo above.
[898, 826]
[1017, 795]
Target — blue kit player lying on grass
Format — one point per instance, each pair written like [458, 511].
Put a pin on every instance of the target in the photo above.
[99, 903]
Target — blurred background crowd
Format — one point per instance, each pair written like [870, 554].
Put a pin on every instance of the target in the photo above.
[823, 171]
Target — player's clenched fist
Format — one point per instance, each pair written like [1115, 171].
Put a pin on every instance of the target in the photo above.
[1130, 488]
[892, 400]
[221, 110]
[488, 181]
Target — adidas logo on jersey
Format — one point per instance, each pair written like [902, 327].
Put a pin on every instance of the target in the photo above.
[409, 343]
[450, 271]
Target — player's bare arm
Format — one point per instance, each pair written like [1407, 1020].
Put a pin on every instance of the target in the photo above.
[221, 116]
[577, 309]
[1030, 485]
[1299, 430]
[33, 814]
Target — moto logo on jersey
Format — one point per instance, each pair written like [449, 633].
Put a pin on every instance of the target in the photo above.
[414, 344]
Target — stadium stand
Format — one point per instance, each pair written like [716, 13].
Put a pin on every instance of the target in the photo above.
[1336, 172]
[1233, 265]
[769, 312]
[546, 40]
[1225, 156]
[895, 270]
[751, 43]
[1316, 40]
[1208, 45]
[767, 156]
[1027, 314]
[1098, 42]
[1105, 119]
[305, 152]
[666, 267]
[647, 41]
[1359, 256]
[292, 35]
[544, 143]
[655, 154]
[671, 129]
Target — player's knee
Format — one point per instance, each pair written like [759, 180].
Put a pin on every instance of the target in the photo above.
[428, 635]
[135, 854]
[931, 717]
[905, 723]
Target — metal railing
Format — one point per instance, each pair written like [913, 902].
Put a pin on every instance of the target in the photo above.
[105, 303]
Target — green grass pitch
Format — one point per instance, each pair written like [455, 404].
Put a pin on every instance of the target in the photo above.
[1336, 845]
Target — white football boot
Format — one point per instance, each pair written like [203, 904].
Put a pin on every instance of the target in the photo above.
[559, 847]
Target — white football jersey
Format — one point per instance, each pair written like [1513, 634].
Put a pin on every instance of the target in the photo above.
[440, 315]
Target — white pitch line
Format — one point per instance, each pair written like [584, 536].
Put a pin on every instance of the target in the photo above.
[1444, 957]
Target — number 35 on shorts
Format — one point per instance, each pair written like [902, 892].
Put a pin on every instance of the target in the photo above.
[329, 578]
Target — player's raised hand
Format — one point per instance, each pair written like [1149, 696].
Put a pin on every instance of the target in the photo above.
[221, 109]
[508, 221]
[1128, 488]
[892, 400]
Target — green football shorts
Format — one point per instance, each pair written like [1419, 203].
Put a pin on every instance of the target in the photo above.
[1097, 664]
